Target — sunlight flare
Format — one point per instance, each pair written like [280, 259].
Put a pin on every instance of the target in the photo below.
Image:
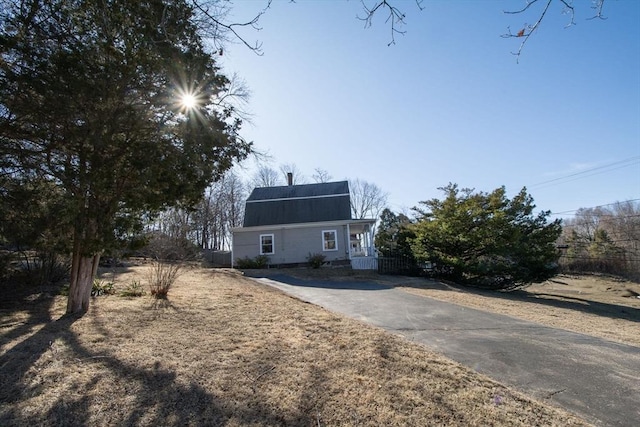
[188, 101]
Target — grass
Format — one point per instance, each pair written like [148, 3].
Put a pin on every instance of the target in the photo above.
[223, 350]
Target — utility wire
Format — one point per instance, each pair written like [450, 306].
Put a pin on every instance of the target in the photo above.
[593, 207]
[593, 171]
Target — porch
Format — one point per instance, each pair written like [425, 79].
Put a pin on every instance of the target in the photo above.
[362, 252]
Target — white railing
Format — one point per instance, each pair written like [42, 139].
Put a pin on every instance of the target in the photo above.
[364, 263]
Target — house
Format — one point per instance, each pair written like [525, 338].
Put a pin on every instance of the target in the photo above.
[290, 223]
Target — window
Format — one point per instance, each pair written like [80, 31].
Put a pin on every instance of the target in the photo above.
[266, 244]
[329, 240]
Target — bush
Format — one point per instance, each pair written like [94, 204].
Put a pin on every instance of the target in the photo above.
[39, 268]
[5, 265]
[161, 276]
[134, 289]
[316, 260]
[261, 261]
[168, 255]
[101, 288]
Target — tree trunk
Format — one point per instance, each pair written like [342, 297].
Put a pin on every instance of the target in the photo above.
[94, 267]
[83, 271]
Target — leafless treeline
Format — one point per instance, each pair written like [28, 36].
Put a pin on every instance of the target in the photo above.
[603, 239]
[209, 224]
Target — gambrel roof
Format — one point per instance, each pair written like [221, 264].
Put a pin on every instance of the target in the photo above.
[294, 204]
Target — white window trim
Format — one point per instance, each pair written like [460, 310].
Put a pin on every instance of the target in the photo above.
[273, 244]
[335, 239]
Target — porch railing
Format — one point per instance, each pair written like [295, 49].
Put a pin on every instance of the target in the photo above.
[364, 263]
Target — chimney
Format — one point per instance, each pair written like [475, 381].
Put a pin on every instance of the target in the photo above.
[289, 178]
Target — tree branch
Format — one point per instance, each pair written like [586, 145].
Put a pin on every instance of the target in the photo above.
[395, 17]
[220, 27]
[528, 30]
[597, 6]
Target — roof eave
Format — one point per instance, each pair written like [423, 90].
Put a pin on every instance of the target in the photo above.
[305, 225]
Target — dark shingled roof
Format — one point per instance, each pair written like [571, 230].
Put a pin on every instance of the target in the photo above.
[294, 204]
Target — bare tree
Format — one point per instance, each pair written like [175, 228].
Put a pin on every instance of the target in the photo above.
[297, 176]
[604, 239]
[265, 176]
[221, 209]
[628, 224]
[321, 175]
[236, 96]
[175, 223]
[367, 199]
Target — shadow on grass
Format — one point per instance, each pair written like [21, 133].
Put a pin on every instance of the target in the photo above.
[110, 273]
[32, 305]
[614, 311]
[162, 304]
[325, 283]
[154, 394]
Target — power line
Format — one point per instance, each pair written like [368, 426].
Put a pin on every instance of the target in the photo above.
[599, 221]
[623, 258]
[593, 171]
[586, 241]
[594, 207]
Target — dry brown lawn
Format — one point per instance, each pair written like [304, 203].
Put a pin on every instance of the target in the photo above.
[224, 350]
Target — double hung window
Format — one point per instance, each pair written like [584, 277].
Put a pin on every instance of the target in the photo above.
[266, 244]
[329, 240]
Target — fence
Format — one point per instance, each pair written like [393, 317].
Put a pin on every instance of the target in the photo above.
[217, 258]
[400, 265]
[627, 266]
[364, 263]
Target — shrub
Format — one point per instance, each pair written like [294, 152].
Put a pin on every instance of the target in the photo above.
[5, 265]
[169, 256]
[42, 268]
[101, 288]
[244, 263]
[161, 276]
[316, 260]
[134, 289]
[261, 261]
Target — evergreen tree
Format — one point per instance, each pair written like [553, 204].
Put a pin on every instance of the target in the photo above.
[91, 101]
[485, 239]
[393, 236]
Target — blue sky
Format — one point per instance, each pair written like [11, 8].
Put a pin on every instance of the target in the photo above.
[448, 102]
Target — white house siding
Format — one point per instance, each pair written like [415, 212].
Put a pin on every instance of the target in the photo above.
[291, 245]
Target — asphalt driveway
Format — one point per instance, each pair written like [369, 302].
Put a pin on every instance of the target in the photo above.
[596, 379]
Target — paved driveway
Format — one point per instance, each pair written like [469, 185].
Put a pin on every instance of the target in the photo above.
[596, 379]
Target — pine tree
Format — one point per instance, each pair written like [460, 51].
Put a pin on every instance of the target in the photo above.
[485, 239]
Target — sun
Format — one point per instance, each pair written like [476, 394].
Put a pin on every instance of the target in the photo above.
[188, 101]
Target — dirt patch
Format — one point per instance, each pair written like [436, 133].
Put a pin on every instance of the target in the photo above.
[223, 350]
